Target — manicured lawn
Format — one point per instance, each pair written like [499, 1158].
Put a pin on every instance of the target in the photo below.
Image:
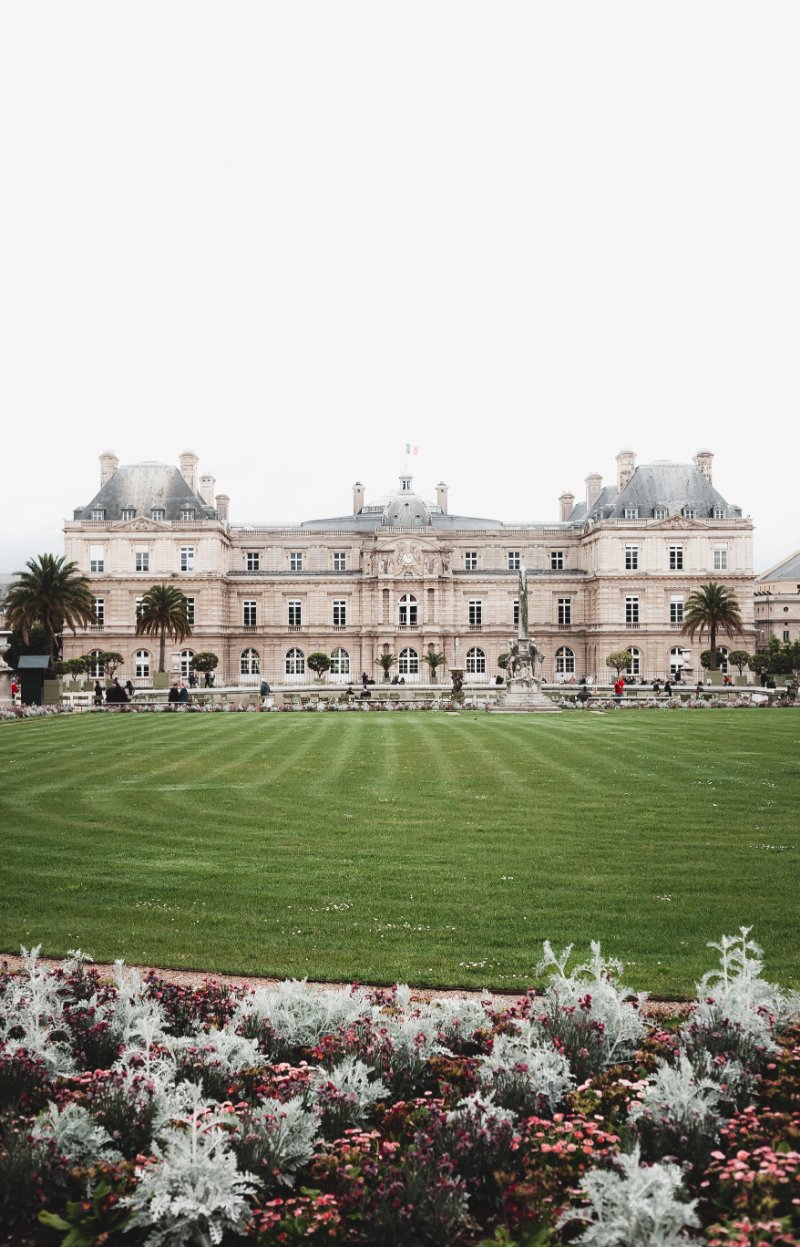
[419, 847]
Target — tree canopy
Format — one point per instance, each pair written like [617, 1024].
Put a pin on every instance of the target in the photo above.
[163, 614]
[712, 608]
[52, 595]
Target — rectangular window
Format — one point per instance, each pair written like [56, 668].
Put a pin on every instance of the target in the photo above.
[138, 609]
[190, 612]
[786, 634]
[252, 560]
[676, 610]
[141, 556]
[719, 513]
[296, 561]
[475, 612]
[470, 560]
[158, 513]
[98, 513]
[721, 559]
[516, 612]
[128, 513]
[187, 558]
[688, 513]
[249, 609]
[632, 610]
[96, 558]
[187, 514]
[556, 560]
[631, 513]
[564, 611]
[339, 613]
[659, 513]
[295, 614]
[676, 558]
[513, 560]
[100, 611]
[340, 560]
[631, 558]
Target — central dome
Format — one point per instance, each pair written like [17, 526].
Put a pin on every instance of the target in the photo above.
[405, 509]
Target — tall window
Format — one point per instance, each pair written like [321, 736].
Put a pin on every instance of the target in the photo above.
[295, 662]
[340, 662]
[565, 661]
[408, 662]
[721, 559]
[186, 662]
[100, 611]
[408, 611]
[632, 610]
[676, 609]
[470, 560]
[631, 558]
[142, 664]
[187, 558]
[190, 612]
[95, 665]
[556, 560]
[137, 609]
[339, 612]
[340, 562]
[514, 560]
[158, 513]
[296, 561]
[564, 611]
[676, 558]
[97, 556]
[252, 560]
[634, 667]
[295, 613]
[141, 557]
[249, 609]
[476, 661]
[677, 659]
[249, 663]
[475, 612]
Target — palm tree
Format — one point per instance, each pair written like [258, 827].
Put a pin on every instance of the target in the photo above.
[163, 614]
[712, 608]
[52, 594]
[434, 660]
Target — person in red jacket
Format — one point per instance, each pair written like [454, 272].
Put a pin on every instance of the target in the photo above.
[14, 691]
[619, 686]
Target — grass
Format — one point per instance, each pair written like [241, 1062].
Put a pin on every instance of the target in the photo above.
[425, 848]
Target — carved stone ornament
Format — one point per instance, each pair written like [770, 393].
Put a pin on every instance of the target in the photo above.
[408, 559]
[143, 525]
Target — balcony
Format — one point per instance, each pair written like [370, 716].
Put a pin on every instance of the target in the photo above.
[634, 627]
[476, 627]
[295, 628]
[96, 627]
[340, 627]
[249, 628]
[565, 627]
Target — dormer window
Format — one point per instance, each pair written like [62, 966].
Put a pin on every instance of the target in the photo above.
[688, 513]
[659, 513]
[187, 514]
[128, 513]
[98, 513]
[719, 513]
[158, 513]
[631, 513]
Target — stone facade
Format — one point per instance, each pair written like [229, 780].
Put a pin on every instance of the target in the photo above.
[401, 575]
[777, 602]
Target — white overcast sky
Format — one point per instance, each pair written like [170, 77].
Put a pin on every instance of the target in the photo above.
[294, 236]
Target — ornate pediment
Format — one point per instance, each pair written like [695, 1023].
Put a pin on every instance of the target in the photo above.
[677, 521]
[407, 558]
[142, 525]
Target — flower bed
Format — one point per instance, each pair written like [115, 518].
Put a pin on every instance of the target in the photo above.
[138, 1111]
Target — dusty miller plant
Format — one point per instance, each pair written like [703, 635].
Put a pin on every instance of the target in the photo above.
[524, 1074]
[292, 1015]
[75, 1134]
[679, 1113]
[639, 1207]
[32, 1015]
[345, 1095]
[276, 1139]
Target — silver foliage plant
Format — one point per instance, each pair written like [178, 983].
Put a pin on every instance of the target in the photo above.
[352, 1087]
[276, 1136]
[76, 1135]
[297, 1016]
[679, 1112]
[524, 1074]
[640, 1206]
[32, 1015]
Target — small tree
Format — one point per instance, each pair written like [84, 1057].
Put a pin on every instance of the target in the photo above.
[502, 661]
[706, 663]
[204, 661]
[434, 660]
[620, 660]
[108, 661]
[740, 659]
[319, 663]
[386, 661]
[76, 667]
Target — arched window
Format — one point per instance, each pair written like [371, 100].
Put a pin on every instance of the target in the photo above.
[142, 665]
[678, 659]
[723, 662]
[295, 662]
[95, 665]
[249, 663]
[340, 662]
[408, 611]
[634, 667]
[186, 662]
[476, 661]
[565, 661]
[408, 663]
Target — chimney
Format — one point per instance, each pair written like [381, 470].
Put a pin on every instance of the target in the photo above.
[108, 466]
[626, 465]
[188, 467]
[441, 496]
[207, 489]
[223, 502]
[358, 497]
[703, 461]
[566, 502]
[594, 485]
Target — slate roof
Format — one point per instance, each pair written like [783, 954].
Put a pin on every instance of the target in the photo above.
[142, 486]
[673, 487]
[789, 569]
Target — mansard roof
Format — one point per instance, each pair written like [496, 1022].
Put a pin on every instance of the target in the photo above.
[142, 486]
[789, 569]
[662, 486]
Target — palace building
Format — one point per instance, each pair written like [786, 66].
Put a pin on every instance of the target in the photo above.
[403, 575]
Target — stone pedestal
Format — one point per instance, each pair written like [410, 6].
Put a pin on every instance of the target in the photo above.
[518, 698]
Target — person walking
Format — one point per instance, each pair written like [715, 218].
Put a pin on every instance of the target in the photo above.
[667, 689]
[129, 689]
[265, 692]
[14, 690]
